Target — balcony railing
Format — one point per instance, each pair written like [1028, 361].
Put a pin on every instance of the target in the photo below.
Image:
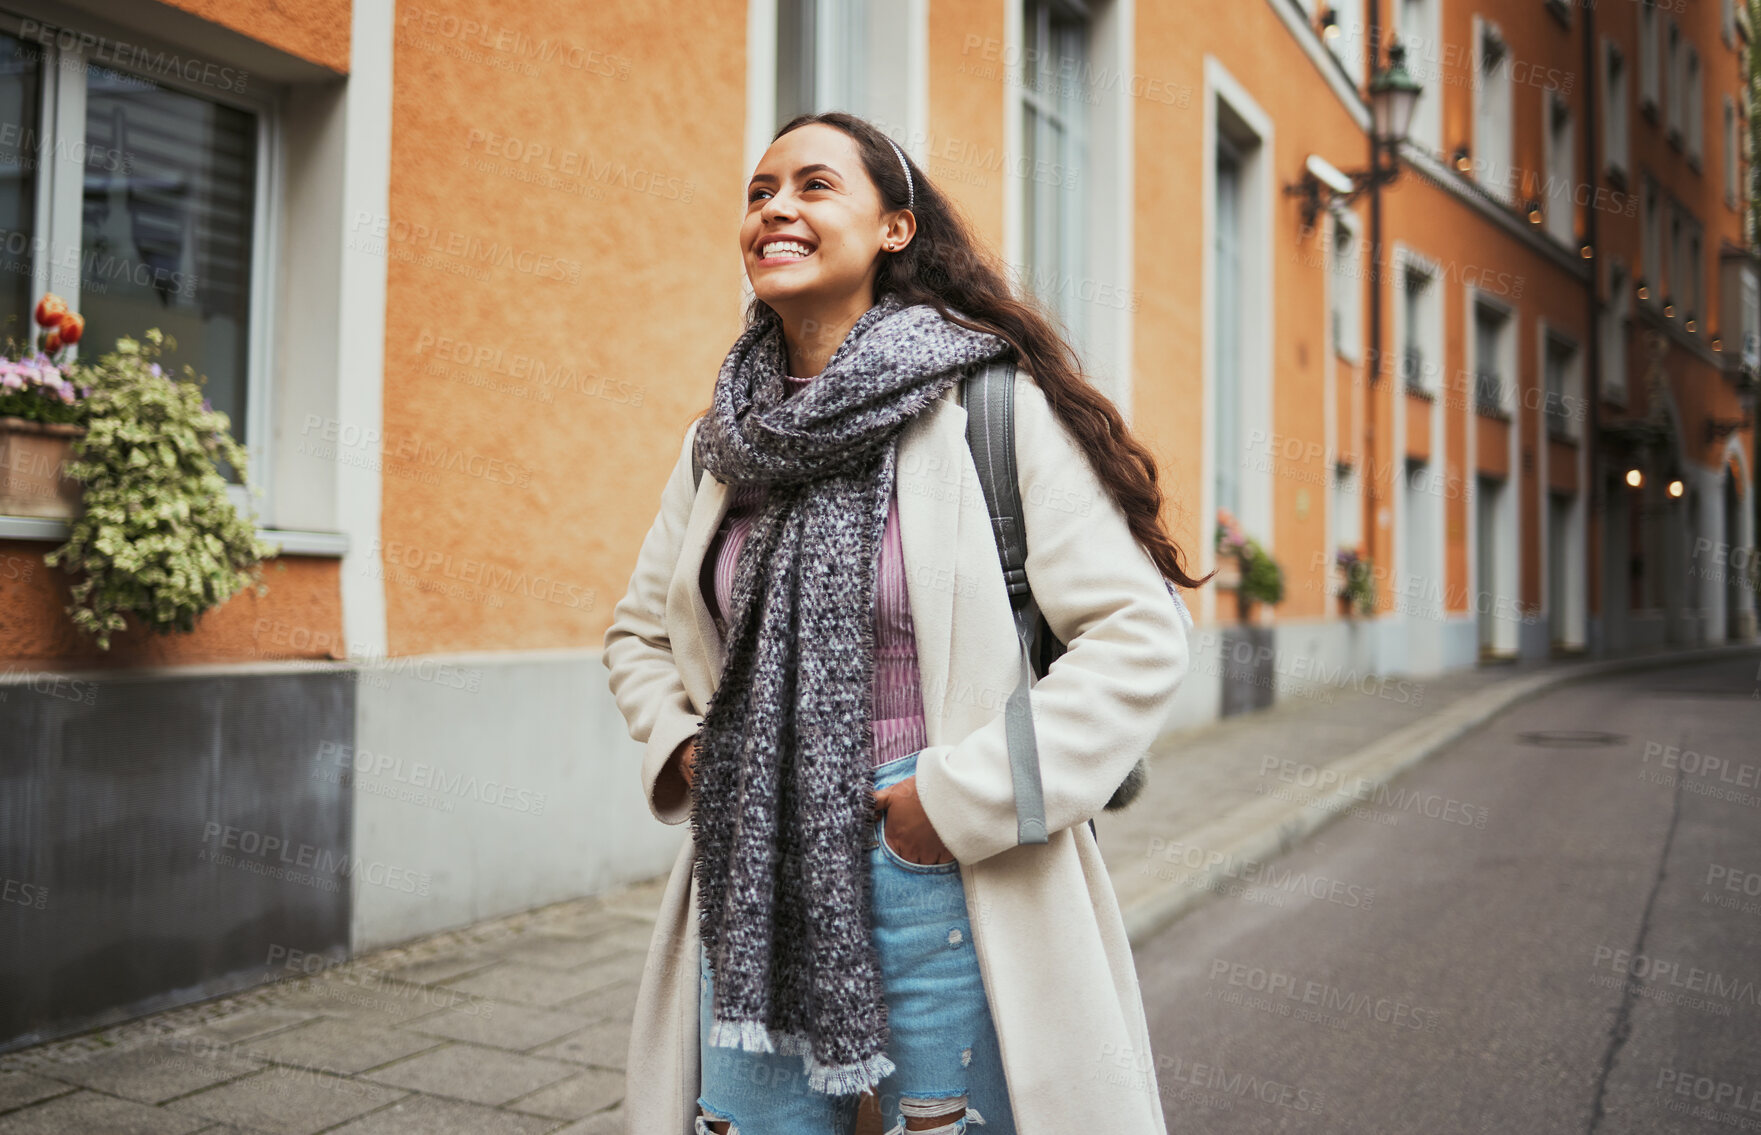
[1488, 392]
[1412, 369]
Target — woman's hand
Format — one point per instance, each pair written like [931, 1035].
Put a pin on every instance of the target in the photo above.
[908, 832]
[685, 756]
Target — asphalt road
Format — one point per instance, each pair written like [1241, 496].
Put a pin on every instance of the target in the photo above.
[1525, 934]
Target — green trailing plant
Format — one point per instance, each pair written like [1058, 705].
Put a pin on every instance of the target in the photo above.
[158, 537]
[1360, 581]
[1261, 577]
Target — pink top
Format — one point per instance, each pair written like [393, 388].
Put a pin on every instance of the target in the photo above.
[898, 696]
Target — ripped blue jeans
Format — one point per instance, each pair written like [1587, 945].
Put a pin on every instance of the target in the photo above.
[942, 1040]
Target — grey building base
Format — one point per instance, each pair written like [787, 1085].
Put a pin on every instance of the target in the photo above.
[1249, 673]
[160, 836]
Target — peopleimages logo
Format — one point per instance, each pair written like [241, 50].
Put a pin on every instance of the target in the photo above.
[423, 775]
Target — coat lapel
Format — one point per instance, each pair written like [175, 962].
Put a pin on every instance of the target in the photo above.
[932, 458]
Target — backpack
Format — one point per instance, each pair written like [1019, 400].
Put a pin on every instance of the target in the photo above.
[990, 433]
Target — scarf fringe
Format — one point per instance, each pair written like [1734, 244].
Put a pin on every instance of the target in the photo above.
[829, 1079]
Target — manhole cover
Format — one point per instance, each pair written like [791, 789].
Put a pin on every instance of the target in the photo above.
[1571, 738]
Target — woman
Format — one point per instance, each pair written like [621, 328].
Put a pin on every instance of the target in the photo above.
[819, 636]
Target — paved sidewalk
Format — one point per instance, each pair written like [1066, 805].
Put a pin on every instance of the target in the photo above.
[520, 1024]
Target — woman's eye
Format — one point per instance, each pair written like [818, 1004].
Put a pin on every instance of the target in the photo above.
[818, 181]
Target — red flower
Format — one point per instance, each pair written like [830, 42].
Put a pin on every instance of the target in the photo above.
[50, 309]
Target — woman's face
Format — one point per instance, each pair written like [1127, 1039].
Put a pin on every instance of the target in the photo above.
[815, 223]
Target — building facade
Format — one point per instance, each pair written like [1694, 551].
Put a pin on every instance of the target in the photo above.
[462, 341]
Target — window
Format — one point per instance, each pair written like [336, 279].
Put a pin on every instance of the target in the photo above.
[20, 83]
[1418, 32]
[1694, 297]
[1348, 44]
[1678, 259]
[1694, 106]
[1560, 390]
[1651, 244]
[1614, 335]
[1616, 127]
[167, 186]
[1492, 102]
[1732, 152]
[844, 55]
[1231, 322]
[1673, 78]
[1490, 324]
[1560, 217]
[1648, 62]
[1346, 291]
[1053, 136]
[1416, 365]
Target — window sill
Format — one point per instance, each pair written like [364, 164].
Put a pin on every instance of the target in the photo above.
[1560, 11]
[1418, 391]
[1496, 413]
[1563, 438]
[293, 542]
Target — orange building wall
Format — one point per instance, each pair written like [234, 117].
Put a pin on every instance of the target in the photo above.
[315, 30]
[967, 98]
[299, 617]
[563, 284]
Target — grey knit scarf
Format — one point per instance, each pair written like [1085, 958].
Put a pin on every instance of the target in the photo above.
[783, 781]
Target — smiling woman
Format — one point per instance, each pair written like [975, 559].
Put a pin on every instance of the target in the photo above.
[785, 660]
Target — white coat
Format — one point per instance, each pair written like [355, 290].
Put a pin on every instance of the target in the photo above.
[1050, 942]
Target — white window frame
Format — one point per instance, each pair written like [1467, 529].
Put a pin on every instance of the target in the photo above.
[60, 197]
[1694, 104]
[1651, 241]
[1493, 102]
[1345, 286]
[1732, 155]
[1418, 32]
[1507, 368]
[1428, 335]
[1614, 318]
[1559, 144]
[1617, 107]
[1673, 87]
[1348, 45]
[1223, 91]
[1650, 63]
[1570, 387]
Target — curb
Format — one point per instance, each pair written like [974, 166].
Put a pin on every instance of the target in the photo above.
[1268, 827]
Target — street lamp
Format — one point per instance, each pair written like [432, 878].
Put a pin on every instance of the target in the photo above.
[1393, 95]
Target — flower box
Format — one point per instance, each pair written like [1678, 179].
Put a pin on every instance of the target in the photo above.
[33, 469]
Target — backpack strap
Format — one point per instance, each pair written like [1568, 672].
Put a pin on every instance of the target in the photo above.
[988, 395]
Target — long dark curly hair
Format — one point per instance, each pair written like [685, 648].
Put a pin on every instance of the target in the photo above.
[946, 267]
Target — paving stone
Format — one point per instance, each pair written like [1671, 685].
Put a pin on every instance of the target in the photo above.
[499, 1024]
[152, 1071]
[605, 1044]
[556, 951]
[605, 1123]
[529, 984]
[431, 1115]
[435, 971]
[377, 1002]
[287, 1101]
[18, 1089]
[88, 1113]
[470, 1072]
[250, 1024]
[591, 1091]
[614, 1002]
[343, 1047]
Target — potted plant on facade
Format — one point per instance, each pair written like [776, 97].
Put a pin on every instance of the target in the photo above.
[159, 538]
[1258, 579]
[1358, 595]
[40, 417]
